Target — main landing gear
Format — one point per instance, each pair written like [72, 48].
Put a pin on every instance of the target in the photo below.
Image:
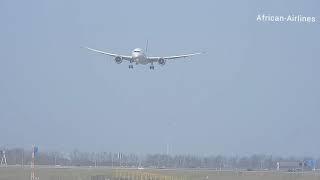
[152, 66]
[131, 65]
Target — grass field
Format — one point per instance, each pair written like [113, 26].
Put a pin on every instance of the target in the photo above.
[46, 173]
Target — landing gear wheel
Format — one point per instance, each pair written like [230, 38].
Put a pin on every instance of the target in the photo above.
[152, 67]
[130, 66]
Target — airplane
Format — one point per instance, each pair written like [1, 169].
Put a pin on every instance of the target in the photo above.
[138, 56]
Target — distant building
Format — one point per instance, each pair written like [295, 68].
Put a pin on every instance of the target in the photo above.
[296, 165]
[310, 164]
[290, 166]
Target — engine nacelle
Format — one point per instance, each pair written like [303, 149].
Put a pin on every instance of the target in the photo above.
[118, 60]
[162, 61]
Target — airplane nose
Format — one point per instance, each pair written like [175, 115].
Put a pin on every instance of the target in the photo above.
[136, 56]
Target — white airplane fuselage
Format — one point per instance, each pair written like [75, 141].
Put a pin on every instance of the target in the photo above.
[139, 57]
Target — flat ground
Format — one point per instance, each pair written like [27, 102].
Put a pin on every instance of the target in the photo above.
[87, 173]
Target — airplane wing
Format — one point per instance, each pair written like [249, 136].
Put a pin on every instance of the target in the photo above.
[128, 58]
[154, 59]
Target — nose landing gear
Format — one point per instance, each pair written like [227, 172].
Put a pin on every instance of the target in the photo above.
[152, 66]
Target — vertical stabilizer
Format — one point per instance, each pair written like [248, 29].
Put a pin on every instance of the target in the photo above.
[147, 44]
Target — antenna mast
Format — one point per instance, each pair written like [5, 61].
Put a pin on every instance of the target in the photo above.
[34, 151]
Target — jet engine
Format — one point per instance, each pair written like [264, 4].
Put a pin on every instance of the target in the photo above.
[162, 61]
[118, 60]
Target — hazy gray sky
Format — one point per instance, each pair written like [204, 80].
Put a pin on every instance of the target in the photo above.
[256, 90]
